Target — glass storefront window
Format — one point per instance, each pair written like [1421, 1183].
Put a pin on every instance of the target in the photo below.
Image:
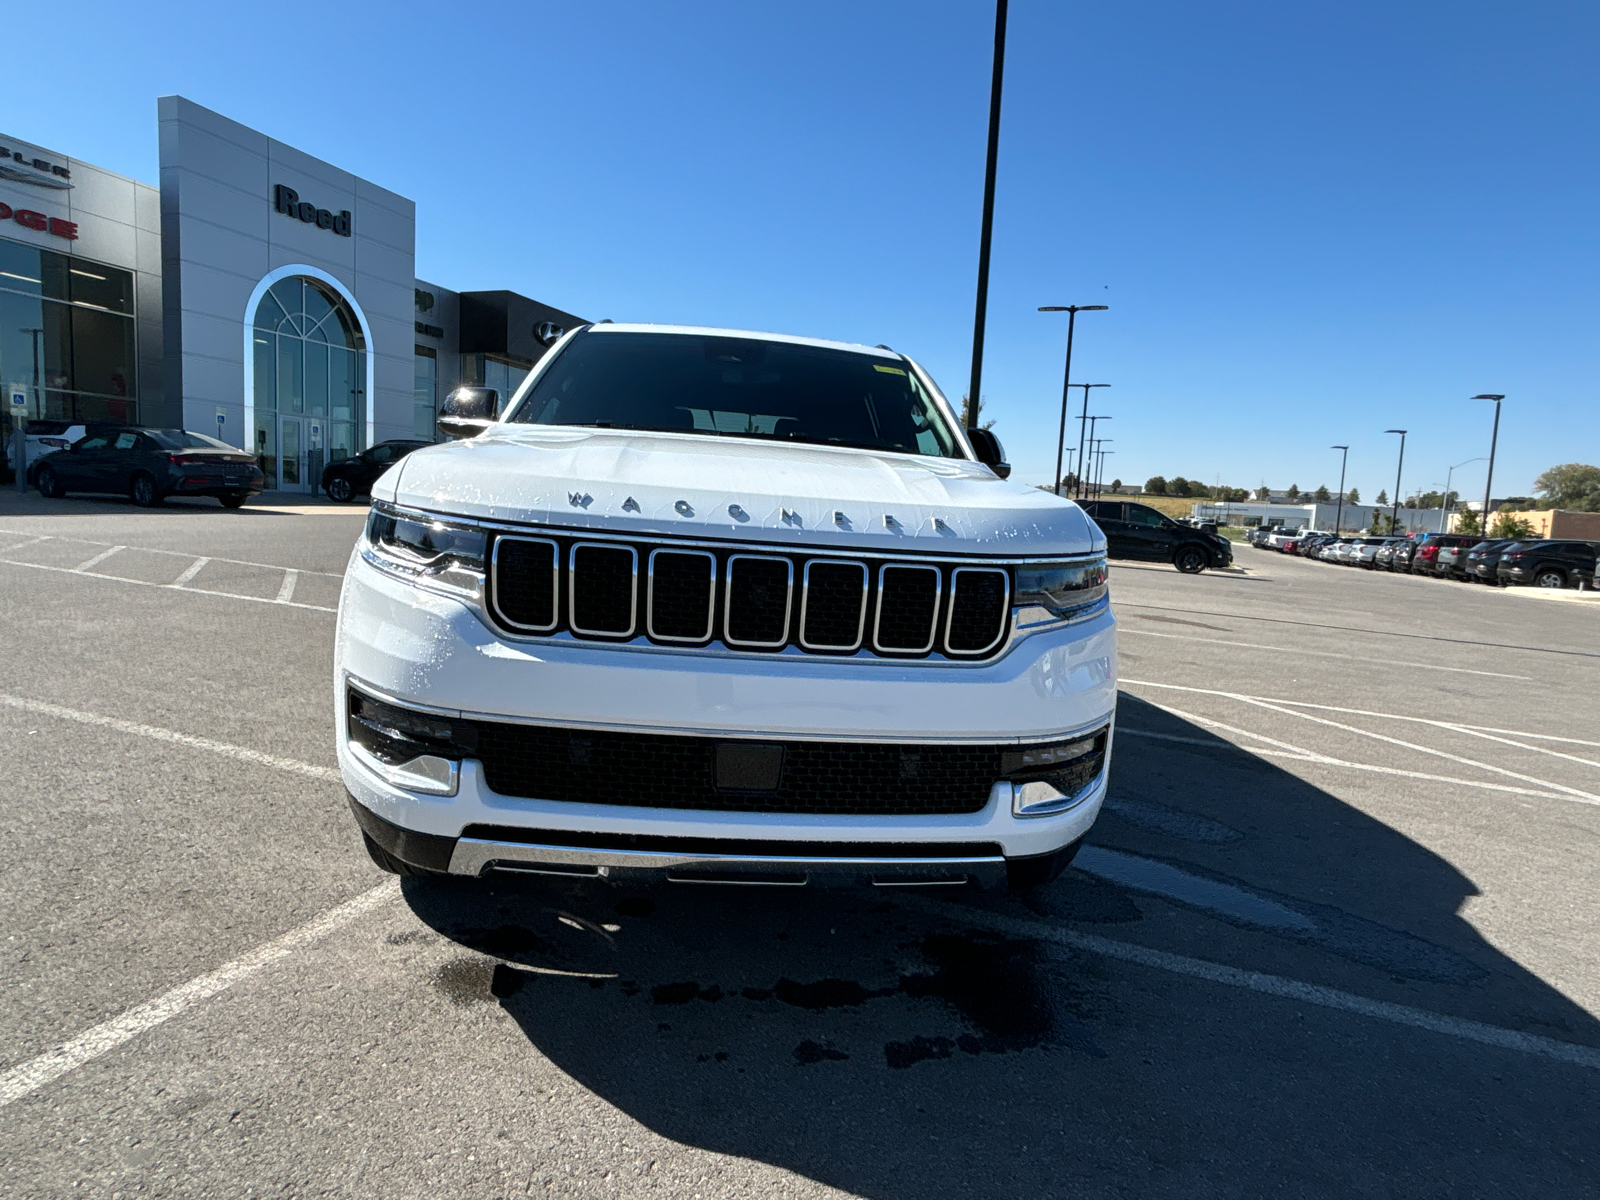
[309, 362]
[67, 334]
[425, 397]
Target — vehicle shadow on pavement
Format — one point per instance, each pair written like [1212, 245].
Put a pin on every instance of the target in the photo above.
[897, 1045]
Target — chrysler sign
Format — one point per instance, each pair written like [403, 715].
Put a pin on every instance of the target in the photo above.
[287, 201]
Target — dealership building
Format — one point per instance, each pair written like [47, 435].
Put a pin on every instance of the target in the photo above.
[259, 295]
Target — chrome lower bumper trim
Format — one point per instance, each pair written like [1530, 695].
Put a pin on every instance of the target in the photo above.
[475, 856]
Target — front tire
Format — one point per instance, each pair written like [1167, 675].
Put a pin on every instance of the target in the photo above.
[143, 491]
[49, 484]
[1550, 579]
[233, 501]
[1191, 560]
[341, 490]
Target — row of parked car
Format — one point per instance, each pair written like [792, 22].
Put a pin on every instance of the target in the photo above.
[1540, 562]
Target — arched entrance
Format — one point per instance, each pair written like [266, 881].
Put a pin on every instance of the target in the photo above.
[306, 377]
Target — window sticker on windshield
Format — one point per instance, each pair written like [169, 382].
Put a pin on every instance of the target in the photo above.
[887, 370]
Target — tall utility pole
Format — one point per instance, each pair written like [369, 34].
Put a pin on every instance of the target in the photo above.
[1494, 439]
[1444, 505]
[1338, 519]
[1072, 311]
[1100, 467]
[1082, 490]
[1395, 513]
[975, 390]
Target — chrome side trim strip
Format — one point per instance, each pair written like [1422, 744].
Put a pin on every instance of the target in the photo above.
[427, 773]
[475, 856]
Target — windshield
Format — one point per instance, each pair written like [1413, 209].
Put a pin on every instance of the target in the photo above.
[739, 387]
[182, 439]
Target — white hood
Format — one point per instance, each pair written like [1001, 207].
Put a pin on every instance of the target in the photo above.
[693, 485]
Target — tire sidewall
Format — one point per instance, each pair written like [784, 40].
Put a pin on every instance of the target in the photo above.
[341, 490]
[1191, 560]
[1539, 579]
[134, 490]
[49, 485]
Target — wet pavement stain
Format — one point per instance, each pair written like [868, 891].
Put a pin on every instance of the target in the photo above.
[808, 1053]
[827, 993]
[465, 981]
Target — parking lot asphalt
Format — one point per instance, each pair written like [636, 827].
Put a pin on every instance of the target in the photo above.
[1333, 935]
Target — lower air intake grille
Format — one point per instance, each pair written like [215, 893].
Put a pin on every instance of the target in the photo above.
[659, 771]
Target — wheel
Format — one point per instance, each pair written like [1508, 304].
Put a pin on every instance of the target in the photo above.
[390, 863]
[1550, 578]
[49, 485]
[1029, 874]
[341, 490]
[233, 501]
[1191, 560]
[143, 491]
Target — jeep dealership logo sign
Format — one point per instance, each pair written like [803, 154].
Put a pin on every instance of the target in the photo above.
[287, 201]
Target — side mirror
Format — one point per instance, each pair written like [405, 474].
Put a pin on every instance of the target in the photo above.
[989, 451]
[468, 411]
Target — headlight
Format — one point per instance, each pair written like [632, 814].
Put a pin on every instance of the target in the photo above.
[426, 549]
[1061, 591]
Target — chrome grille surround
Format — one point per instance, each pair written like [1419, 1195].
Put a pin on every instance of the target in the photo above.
[1013, 624]
[938, 608]
[805, 603]
[572, 590]
[555, 583]
[711, 597]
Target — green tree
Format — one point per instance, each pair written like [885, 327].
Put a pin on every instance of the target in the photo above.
[1570, 485]
[1323, 495]
[1469, 522]
[1263, 492]
[1352, 496]
[1116, 485]
[1294, 492]
[1509, 525]
[1383, 497]
[983, 403]
[1178, 486]
[1156, 485]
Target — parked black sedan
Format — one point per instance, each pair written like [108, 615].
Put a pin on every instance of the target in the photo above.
[148, 465]
[1139, 531]
[351, 477]
[1552, 563]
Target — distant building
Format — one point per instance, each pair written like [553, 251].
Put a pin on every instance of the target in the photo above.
[1319, 516]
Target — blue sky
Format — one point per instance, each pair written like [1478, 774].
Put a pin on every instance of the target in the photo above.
[1312, 222]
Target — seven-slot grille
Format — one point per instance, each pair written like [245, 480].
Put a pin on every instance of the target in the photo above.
[754, 600]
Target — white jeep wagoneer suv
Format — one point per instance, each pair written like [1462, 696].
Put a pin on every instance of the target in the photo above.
[711, 606]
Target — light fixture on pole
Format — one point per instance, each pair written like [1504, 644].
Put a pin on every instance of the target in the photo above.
[1343, 462]
[975, 389]
[1494, 439]
[1072, 311]
[1394, 515]
[1444, 505]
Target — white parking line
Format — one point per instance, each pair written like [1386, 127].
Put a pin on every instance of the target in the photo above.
[1273, 706]
[185, 589]
[286, 589]
[32, 1075]
[1387, 662]
[190, 572]
[238, 562]
[228, 749]
[98, 558]
[1277, 985]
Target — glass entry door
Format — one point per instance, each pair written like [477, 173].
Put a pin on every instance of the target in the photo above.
[301, 453]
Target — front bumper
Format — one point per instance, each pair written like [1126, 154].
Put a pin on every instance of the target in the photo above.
[428, 651]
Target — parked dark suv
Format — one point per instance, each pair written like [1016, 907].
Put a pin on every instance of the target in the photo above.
[1483, 560]
[1549, 564]
[351, 477]
[1139, 531]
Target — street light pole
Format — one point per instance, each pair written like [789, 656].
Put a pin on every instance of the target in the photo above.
[1100, 468]
[1494, 439]
[1338, 519]
[1444, 505]
[982, 307]
[1084, 477]
[1072, 311]
[1395, 513]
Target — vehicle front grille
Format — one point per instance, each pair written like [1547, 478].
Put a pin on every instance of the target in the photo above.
[678, 594]
[582, 766]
